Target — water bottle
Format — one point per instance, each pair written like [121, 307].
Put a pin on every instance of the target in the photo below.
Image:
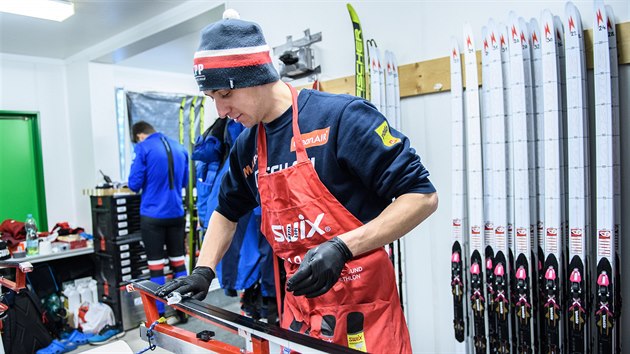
[32, 241]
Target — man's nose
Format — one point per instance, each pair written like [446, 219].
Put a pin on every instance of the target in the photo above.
[222, 109]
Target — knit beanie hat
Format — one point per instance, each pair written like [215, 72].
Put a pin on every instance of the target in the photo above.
[233, 54]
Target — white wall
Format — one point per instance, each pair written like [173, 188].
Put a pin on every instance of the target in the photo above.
[39, 85]
[414, 31]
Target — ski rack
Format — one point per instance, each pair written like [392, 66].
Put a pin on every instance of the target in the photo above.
[21, 268]
[260, 337]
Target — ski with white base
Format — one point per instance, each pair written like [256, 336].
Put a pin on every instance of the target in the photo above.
[604, 180]
[458, 263]
[488, 190]
[519, 93]
[475, 200]
[578, 185]
[553, 225]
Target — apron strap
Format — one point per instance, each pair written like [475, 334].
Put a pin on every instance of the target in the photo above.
[300, 151]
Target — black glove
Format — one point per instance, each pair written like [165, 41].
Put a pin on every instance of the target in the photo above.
[320, 269]
[197, 284]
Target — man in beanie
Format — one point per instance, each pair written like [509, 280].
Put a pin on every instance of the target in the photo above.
[335, 184]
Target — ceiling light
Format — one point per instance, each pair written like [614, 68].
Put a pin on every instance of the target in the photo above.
[55, 10]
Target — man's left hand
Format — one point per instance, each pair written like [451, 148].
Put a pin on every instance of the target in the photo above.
[320, 269]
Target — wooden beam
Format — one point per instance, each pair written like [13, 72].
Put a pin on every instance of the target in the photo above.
[434, 75]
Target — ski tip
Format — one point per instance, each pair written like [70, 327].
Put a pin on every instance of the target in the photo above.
[353, 13]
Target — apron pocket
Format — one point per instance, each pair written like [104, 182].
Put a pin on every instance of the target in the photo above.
[364, 327]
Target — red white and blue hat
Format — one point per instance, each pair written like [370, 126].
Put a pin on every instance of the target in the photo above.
[233, 54]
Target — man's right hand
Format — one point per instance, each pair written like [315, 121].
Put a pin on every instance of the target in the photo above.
[196, 284]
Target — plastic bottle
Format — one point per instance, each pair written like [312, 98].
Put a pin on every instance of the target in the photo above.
[32, 241]
[74, 298]
[85, 293]
[93, 289]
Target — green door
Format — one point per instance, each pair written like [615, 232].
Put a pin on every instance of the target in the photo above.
[21, 171]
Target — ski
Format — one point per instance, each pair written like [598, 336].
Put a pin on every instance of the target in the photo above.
[526, 44]
[614, 76]
[578, 183]
[488, 190]
[390, 90]
[399, 245]
[376, 85]
[519, 97]
[604, 181]
[500, 208]
[552, 127]
[359, 54]
[398, 118]
[475, 198]
[537, 80]
[458, 179]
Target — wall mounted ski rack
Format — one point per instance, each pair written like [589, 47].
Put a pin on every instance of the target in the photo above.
[423, 77]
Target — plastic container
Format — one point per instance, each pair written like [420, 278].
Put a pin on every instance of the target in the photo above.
[85, 293]
[32, 241]
[74, 298]
[93, 289]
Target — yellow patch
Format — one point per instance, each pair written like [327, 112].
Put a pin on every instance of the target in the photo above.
[385, 135]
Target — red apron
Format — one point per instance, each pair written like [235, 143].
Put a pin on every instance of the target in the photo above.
[362, 310]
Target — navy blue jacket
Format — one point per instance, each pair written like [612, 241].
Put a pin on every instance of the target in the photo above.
[361, 161]
[149, 173]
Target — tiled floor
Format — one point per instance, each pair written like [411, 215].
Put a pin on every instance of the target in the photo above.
[217, 298]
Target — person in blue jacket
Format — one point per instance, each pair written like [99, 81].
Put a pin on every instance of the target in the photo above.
[248, 263]
[160, 171]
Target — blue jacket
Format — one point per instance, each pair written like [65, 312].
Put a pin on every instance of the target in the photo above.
[249, 257]
[149, 173]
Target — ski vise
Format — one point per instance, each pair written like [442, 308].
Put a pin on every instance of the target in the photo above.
[296, 57]
[260, 337]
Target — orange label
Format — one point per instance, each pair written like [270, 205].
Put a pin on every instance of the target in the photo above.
[314, 138]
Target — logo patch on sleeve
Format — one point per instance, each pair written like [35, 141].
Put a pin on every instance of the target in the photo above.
[385, 135]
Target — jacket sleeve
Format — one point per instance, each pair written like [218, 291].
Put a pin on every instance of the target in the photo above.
[381, 157]
[186, 172]
[137, 174]
[235, 197]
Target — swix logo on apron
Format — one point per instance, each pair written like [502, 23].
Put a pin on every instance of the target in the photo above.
[299, 213]
[298, 230]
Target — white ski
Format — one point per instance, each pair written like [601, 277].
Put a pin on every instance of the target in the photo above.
[604, 181]
[396, 93]
[458, 254]
[531, 158]
[520, 161]
[375, 77]
[475, 201]
[390, 90]
[488, 187]
[552, 127]
[578, 182]
[500, 190]
[537, 85]
[614, 76]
